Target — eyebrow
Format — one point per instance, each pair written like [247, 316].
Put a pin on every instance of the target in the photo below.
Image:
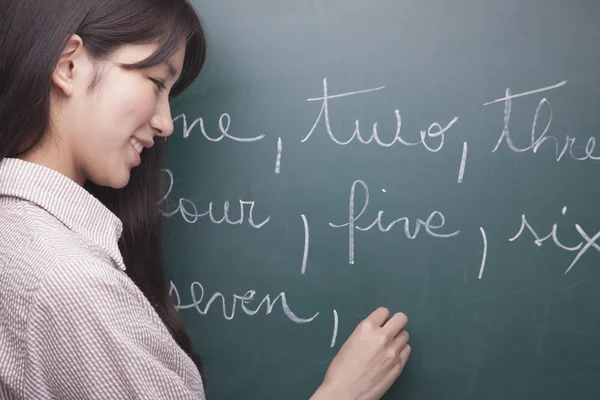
[172, 70]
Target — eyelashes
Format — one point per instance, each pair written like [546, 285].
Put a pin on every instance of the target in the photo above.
[161, 86]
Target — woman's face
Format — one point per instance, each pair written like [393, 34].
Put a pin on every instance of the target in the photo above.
[101, 132]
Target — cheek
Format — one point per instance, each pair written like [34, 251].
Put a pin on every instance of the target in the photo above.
[133, 110]
[127, 102]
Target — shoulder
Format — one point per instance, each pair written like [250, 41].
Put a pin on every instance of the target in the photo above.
[55, 272]
[34, 243]
[32, 233]
[22, 219]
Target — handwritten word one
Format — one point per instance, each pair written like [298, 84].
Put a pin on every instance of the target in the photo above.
[197, 294]
[224, 123]
[429, 225]
[537, 141]
[581, 247]
[189, 211]
[434, 132]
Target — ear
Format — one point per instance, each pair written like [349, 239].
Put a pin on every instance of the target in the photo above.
[67, 66]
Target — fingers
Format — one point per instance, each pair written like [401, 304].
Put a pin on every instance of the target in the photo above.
[403, 350]
[401, 341]
[379, 316]
[405, 354]
[395, 324]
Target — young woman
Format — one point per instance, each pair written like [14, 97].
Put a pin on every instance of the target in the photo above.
[84, 116]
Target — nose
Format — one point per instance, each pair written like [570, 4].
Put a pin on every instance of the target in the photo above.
[162, 122]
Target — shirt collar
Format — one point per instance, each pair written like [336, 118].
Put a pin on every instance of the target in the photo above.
[64, 199]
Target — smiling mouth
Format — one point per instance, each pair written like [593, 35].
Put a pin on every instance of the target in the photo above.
[137, 146]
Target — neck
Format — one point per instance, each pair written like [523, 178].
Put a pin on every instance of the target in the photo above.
[54, 156]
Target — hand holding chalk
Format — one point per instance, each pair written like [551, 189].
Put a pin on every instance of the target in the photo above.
[370, 360]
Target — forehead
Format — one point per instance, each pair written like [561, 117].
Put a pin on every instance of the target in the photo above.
[134, 53]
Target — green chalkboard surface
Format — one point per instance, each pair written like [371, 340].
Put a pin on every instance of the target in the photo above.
[434, 157]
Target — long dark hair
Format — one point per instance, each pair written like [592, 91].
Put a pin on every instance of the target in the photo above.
[33, 34]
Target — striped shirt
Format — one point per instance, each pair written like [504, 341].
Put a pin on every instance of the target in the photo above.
[73, 325]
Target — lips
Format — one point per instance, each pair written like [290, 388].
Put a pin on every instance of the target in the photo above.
[137, 146]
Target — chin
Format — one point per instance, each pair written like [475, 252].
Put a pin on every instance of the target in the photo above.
[121, 182]
[114, 181]
[119, 185]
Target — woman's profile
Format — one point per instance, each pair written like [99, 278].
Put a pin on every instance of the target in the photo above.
[85, 312]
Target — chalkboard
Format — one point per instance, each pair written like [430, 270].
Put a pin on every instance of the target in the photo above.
[434, 157]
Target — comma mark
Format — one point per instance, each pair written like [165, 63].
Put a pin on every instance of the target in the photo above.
[483, 258]
[278, 161]
[306, 242]
[463, 162]
[335, 328]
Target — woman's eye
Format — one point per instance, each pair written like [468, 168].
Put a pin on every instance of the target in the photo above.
[159, 84]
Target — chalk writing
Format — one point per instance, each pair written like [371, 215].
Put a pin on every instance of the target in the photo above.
[359, 217]
[197, 294]
[537, 141]
[224, 123]
[306, 242]
[353, 218]
[581, 248]
[463, 162]
[484, 255]
[189, 211]
[278, 160]
[335, 328]
[435, 130]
